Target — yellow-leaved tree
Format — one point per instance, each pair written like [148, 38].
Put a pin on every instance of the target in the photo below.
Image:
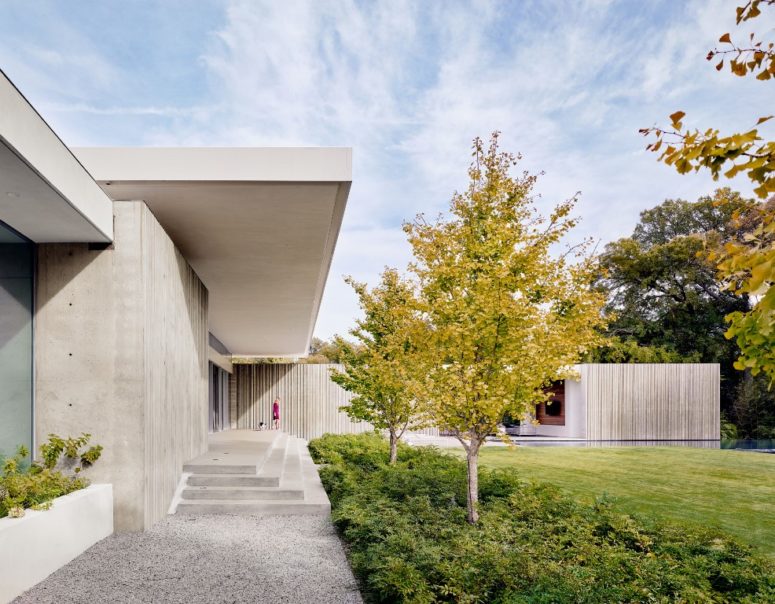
[506, 316]
[383, 366]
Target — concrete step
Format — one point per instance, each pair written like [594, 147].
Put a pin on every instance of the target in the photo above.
[199, 468]
[234, 452]
[275, 462]
[292, 475]
[253, 507]
[244, 493]
[232, 480]
[252, 473]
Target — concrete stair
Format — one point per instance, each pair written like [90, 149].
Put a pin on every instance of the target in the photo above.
[248, 472]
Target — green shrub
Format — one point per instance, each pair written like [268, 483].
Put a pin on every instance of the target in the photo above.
[728, 429]
[35, 485]
[409, 541]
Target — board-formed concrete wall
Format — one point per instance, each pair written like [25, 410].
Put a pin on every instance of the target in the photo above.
[668, 401]
[309, 400]
[121, 353]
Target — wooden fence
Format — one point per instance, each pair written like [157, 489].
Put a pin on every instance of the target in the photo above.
[615, 402]
[309, 400]
[651, 401]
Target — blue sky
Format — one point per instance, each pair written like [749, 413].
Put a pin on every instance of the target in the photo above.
[406, 84]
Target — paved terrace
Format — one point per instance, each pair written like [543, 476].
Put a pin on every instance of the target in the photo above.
[270, 543]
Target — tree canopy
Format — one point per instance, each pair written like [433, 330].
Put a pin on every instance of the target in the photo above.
[662, 290]
[668, 303]
[748, 264]
[506, 316]
[384, 366]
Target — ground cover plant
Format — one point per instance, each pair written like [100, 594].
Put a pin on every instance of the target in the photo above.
[732, 490]
[35, 485]
[408, 539]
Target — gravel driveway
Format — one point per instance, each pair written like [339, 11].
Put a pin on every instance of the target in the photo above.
[191, 559]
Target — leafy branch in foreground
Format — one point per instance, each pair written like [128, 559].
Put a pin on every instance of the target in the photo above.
[747, 266]
[747, 152]
[689, 151]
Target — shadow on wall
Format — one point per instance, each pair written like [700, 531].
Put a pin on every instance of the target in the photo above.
[194, 313]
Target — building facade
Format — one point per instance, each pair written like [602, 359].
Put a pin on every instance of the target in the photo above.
[128, 277]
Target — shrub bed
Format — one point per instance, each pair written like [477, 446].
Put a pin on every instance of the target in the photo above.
[408, 540]
[58, 473]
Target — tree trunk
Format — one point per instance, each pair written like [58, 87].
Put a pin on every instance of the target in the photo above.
[473, 481]
[393, 447]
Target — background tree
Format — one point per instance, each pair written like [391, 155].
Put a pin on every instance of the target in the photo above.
[748, 265]
[384, 365]
[666, 302]
[661, 288]
[506, 318]
[325, 351]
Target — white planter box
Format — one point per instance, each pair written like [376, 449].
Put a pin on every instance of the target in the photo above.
[33, 547]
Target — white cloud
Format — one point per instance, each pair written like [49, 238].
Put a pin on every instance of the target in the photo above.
[409, 84]
[408, 88]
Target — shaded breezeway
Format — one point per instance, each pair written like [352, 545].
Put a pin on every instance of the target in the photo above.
[218, 559]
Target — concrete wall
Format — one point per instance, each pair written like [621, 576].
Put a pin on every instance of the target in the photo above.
[309, 400]
[650, 401]
[121, 353]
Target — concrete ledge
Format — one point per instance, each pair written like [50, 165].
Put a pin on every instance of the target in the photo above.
[33, 547]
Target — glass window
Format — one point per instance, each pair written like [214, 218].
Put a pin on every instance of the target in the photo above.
[16, 286]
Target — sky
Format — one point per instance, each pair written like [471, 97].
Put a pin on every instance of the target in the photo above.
[407, 85]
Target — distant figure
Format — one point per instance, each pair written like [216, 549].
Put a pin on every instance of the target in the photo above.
[276, 413]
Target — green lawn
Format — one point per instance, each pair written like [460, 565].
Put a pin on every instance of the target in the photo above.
[733, 490]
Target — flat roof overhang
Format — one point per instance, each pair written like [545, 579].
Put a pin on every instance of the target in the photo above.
[258, 225]
[45, 193]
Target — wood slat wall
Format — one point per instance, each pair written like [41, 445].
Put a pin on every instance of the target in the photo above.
[652, 401]
[309, 400]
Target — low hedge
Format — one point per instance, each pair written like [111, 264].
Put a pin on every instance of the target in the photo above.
[408, 540]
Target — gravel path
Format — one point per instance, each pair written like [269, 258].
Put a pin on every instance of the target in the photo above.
[190, 559]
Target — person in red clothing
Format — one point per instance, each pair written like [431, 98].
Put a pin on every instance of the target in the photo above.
[276, 413]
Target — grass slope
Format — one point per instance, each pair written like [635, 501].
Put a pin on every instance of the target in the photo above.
[732, 490]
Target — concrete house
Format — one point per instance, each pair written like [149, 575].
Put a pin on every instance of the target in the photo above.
[129, 276]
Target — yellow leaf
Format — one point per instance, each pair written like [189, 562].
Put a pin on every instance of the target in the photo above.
[677, 116]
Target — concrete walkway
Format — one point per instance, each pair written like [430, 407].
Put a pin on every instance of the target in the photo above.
[218, 559]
